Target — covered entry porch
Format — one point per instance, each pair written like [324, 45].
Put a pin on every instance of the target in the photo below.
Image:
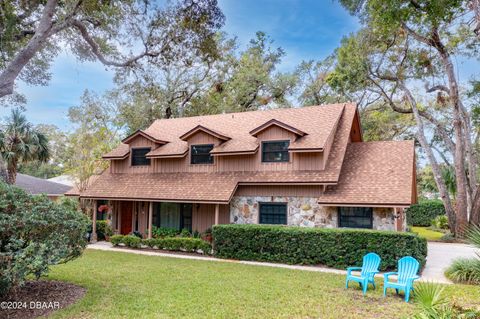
[128, 217]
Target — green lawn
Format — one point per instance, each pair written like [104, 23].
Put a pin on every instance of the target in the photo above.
[429, 234]
[123, 285]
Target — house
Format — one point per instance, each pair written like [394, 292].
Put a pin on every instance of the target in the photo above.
[36, 186]
[296, 166]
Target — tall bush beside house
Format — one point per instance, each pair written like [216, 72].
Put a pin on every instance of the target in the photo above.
[35, 233]
[337, 248]
[423, 213]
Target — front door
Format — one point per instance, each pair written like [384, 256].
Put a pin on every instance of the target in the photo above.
[126, 223]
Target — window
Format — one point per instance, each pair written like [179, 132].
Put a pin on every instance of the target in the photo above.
[355, 217]
[139, 156]
[200, 154]
[273, 213]
[172, 215]
[276, 151]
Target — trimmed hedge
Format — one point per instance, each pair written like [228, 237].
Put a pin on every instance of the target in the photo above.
[338, 248]
[423, 213]
[169, 243]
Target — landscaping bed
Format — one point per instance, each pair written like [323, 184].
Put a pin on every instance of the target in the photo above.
[40, 298]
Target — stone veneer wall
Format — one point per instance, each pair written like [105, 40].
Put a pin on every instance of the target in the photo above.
[301, 211]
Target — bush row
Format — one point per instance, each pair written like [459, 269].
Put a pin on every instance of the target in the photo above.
[423, 213]
[168, 243]
[337, 248]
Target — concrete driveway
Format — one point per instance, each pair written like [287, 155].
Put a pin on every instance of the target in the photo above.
[440, 257]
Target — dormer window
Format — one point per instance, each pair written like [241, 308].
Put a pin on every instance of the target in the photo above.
[275, 151]
[200, 154]
[139, 157]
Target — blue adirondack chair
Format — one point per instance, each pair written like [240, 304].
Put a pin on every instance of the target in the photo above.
[407, 274]
[371, 262]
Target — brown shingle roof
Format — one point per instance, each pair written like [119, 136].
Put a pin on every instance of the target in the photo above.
[377, 173]
[120, 152]
[317, 122]
[198, 187]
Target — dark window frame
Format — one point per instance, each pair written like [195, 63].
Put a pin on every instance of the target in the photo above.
[210, 157]
[343, 221]
[262, 205]
[286, 160]
[147, 161]
[186, 215]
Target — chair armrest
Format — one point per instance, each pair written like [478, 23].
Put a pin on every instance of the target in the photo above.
[350, 269]
[387, 274]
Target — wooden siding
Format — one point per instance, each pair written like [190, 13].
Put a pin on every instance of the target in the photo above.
[279, 190]
[204, 216]
[226, 163]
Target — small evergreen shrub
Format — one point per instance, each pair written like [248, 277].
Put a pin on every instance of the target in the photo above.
[161, 232]
[187, 244]
[132, 241]
[116, 239]
[103, 229]
[337, 248]
[423, 213]
[440, 222]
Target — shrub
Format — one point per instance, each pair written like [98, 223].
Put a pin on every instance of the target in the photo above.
[464, 270]
[36, 233]
[179, 243]
[467, 270]
[421, 214]
[185, 233]
[117, 239]
[448, 238]
[337, 248]
[103, 229]
[161, 232]
[132, 241]
[440, 222]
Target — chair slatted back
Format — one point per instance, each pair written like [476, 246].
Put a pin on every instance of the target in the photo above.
[407, 268]
[371, 262]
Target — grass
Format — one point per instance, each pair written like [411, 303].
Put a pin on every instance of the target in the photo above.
[123, 285]
[429, 234]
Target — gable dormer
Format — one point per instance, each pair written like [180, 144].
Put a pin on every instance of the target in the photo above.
[276, 123]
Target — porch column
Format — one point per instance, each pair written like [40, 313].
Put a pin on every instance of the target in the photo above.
[217, 214]
[93, 236]
[150, 214]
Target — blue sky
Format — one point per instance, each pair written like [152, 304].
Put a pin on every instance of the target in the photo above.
[304, 29]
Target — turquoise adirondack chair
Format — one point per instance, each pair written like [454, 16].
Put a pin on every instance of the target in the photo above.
[371, 262]
[406, 275]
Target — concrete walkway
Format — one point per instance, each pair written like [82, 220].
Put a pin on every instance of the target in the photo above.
[440, 256]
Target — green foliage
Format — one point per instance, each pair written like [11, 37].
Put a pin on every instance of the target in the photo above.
[440, 222]
[20, 142]
[116, 239]
[423, 213]
[433, 304]
[132, 241]
[186, 244]
[464, 270]
[467, 270]
[448, 238]
[337, 248]
[36, 233]
[161, 232]
[185, 233]
[103, 229]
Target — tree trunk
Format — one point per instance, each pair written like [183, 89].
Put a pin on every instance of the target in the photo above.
[437, 174]
[12, 174]
[475, 212]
